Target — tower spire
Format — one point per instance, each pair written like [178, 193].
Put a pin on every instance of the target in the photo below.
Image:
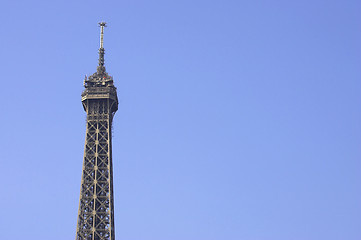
[102, 25]
[101, 67]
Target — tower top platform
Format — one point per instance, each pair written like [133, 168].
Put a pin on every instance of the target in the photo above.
[100, 85]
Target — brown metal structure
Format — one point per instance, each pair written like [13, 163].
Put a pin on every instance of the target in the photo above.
[96, 203]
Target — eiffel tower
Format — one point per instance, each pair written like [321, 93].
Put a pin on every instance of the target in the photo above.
[96, 203]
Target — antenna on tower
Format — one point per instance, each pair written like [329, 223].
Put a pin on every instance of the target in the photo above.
[101, 68]
[102, 25]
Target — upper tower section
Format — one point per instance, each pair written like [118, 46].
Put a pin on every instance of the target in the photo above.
[100, 85]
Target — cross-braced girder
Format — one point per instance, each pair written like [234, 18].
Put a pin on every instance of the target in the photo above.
[96, 204]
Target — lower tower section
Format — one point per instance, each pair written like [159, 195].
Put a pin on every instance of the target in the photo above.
[96, 204]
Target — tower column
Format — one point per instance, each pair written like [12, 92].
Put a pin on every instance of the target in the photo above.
[96, 203]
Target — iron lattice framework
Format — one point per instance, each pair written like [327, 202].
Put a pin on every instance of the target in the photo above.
[96, 204]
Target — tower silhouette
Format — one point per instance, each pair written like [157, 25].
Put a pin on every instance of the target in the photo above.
[96, 203]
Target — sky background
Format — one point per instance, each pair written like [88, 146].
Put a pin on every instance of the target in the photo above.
[237, 120]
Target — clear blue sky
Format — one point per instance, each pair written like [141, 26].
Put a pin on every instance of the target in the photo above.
[238, 120]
